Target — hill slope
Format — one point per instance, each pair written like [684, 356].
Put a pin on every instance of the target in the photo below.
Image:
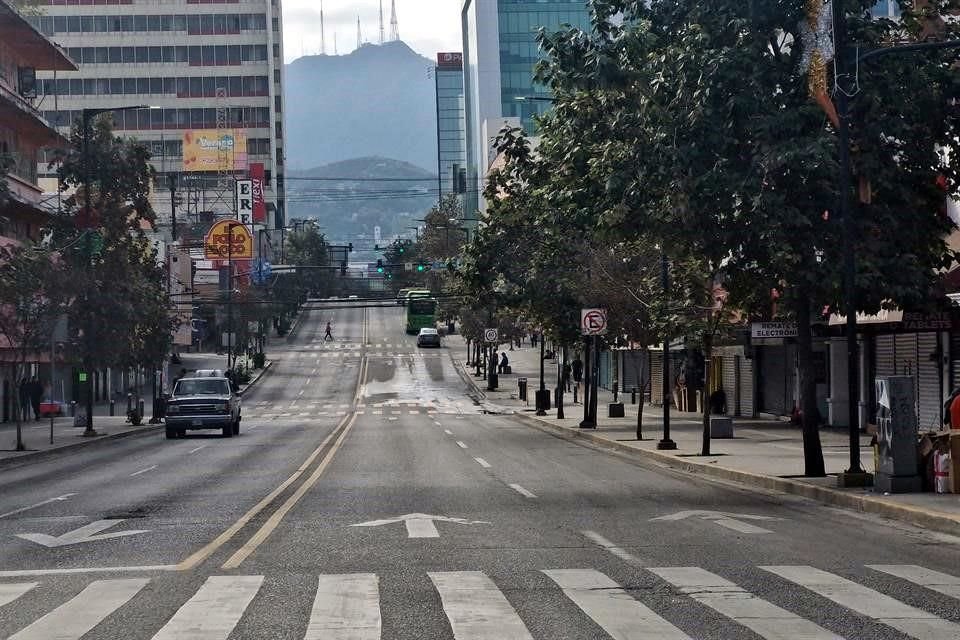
[377, 101]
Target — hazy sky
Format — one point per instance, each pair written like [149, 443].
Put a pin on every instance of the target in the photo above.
[428, 26]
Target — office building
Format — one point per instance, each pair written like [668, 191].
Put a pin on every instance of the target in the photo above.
[212, 73]
[451, 135]
[500, 51]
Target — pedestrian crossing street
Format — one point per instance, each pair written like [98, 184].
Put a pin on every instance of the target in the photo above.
[333, 350]
[304, 409]
[349, 606]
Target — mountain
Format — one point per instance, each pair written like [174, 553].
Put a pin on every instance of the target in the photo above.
[379, 100]
[350, 198]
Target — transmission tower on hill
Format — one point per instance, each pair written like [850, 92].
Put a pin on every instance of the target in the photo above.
[394, 30]
[323, 32]
[359, 34]
[381, 22]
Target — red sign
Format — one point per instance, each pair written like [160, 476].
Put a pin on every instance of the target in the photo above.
[451, 59]
[259, 204]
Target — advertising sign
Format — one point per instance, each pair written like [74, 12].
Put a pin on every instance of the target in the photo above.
[773, 330]
[244, 199]
[213, 150]
[259, 203]
[228, 238]
[450, 59]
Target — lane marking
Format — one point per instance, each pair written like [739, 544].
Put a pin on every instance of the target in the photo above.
[934, 580]
[214, 610]
[307, 381]
[274, 520]
[623, 554]
[448, 432]
[763, 618]
[476, 608]
[346, 607]
[84, 611]
[483, 463]
[612, 608]
[25, 573]
[39, 504]
[867, 602]
[10, 592]
[522, 491]
[203, 446]
[136, 473]
[461, 445]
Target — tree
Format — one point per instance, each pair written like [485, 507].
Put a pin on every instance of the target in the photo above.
[110, 259]
[308, 249]
[33, 295]
[709, 142]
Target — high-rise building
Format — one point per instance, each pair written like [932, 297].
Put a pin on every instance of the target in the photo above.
[212, 73]
[451, 136]
[499, 52]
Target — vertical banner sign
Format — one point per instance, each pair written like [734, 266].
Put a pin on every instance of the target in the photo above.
[259, 204]
[245, 201]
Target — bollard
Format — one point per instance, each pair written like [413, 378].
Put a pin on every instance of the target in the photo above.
[129, 402]
[633, 396]
[73, 408]
[113, 407]
[140, 404]
[575, 388]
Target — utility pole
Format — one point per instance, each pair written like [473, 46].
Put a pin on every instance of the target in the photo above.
[172, 183]
[666, 443]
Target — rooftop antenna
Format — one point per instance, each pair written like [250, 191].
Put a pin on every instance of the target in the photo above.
[335, 43]
[359, 34]
[323, 32]
[394, 31]
[381, 22]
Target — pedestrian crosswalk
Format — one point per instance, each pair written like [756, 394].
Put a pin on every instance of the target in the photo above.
[302, 409]
[477, 606]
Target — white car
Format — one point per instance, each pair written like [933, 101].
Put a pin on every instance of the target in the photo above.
[428, 338]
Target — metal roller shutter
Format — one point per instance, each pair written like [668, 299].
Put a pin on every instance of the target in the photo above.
[772, 378]
[955, 360]
[745, 394]
[634, 370]
[656, 377]
[884, 356]
[729, 381]
[929, 394]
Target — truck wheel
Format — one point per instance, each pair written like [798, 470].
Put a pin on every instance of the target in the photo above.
[236, 427]
[228, 431]
[171, 433]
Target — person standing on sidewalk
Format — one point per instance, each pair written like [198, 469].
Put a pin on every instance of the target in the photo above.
[565, 376]
[577, 370]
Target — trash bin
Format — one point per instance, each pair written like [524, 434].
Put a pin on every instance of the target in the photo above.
[522, 384]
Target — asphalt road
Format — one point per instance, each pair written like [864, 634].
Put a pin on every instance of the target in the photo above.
[473, 527]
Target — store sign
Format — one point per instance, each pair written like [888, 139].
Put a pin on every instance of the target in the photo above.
[244, 199]
[760, 330]
[450, 59]
[228, 239]
[259, 203]
[926, 322]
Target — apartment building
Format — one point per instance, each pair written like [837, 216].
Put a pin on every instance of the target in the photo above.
[211, 72]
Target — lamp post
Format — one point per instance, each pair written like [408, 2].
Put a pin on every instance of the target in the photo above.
[86, 115]
[230, 338]
[666, 443]
[855, 476]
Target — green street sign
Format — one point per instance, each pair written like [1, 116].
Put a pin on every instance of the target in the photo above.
[82, 377]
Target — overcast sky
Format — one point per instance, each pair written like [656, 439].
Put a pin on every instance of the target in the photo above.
[428, 26]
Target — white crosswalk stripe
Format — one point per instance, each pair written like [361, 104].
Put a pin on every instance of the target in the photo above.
[873, 604]
[763, 618]
[934, 580]
[476, 608]
[346, 607]
[213, 612]
[82, 612]
[612, 608]
[10, 592]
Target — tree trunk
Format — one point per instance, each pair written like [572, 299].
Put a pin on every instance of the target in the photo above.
[641, 388]
[812, 451]
[704, 397]
[15, 367]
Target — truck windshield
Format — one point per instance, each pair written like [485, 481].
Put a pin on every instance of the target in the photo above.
[202, 388]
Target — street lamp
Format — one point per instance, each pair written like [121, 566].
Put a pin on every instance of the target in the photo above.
[85, 116]
[855, 476]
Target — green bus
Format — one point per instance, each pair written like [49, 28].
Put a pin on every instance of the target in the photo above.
[421, 310]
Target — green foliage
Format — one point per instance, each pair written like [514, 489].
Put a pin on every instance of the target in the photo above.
[259, 360]
[308, 248]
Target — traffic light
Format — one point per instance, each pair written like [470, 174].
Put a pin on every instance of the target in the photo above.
[379, 266]
[401, 249]
[421, 267]
[343, 268]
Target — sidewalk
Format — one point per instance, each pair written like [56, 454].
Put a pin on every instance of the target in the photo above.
[765, 453]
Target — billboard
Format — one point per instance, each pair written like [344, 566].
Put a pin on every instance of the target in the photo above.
[259, 204]
[450, 60]
[215, 150]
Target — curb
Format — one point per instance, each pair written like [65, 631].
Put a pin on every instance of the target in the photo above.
[256, 379]
[38, 456]
[934, 520]
[477, 394]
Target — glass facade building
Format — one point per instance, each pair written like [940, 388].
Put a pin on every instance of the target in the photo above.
[451, 135]
[499, 53]
[519, 21]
